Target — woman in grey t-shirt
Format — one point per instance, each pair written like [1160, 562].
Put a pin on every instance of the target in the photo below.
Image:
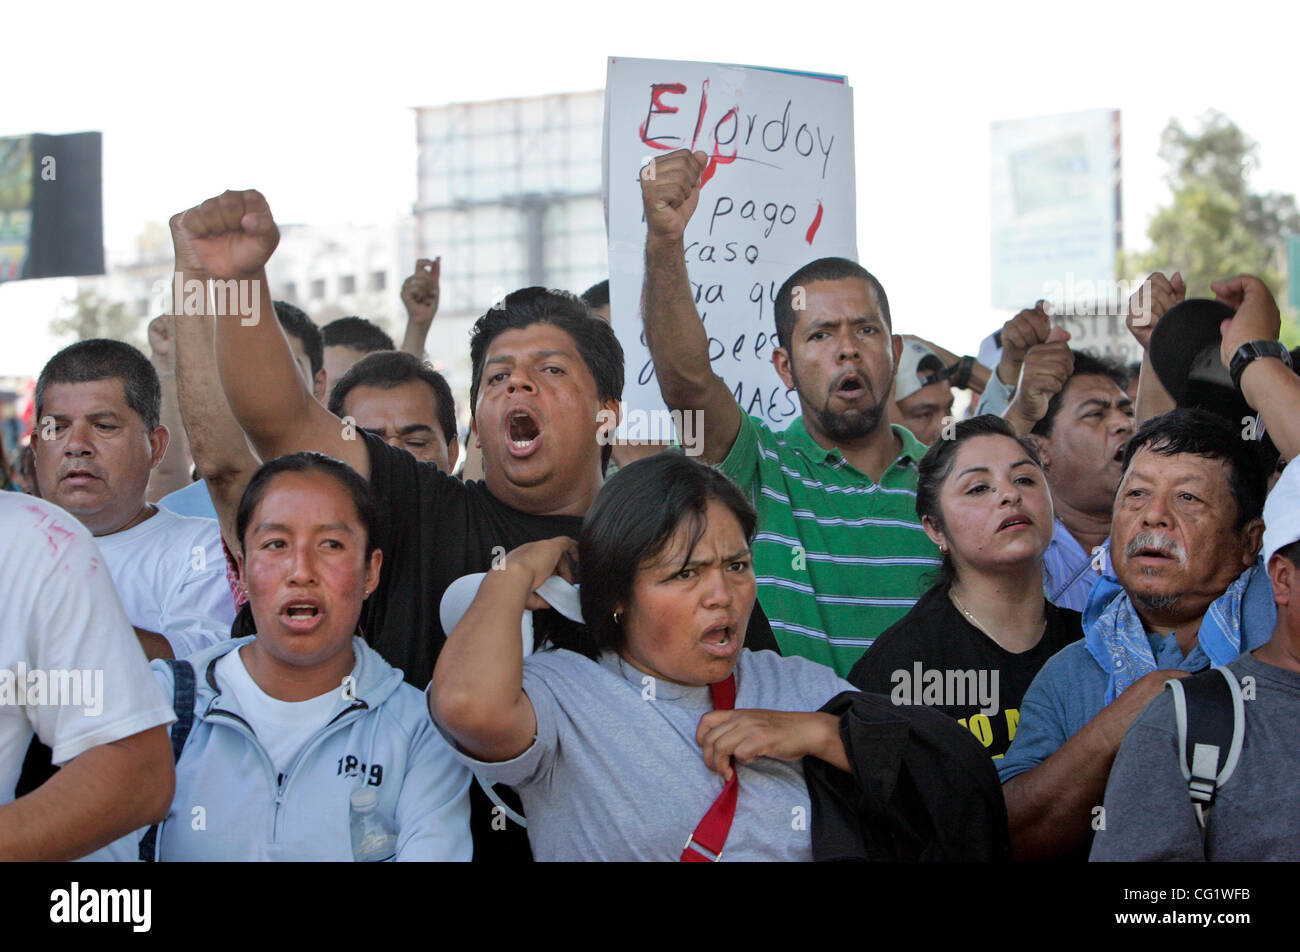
[609, 734]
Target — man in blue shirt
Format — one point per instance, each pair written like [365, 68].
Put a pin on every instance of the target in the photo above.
[1149, 813]
[1187, 592]
[1080, 439]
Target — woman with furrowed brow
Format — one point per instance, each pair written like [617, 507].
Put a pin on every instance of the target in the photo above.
[625, 733]
[973, 643]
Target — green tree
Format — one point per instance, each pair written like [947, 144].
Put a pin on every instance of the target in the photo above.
[1215, 226]
[89, 315]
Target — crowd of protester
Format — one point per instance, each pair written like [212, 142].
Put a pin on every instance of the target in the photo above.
[880, 633]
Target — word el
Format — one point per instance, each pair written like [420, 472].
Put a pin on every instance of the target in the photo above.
[729, 132]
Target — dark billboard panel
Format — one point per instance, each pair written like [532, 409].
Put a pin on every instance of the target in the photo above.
[51, 206]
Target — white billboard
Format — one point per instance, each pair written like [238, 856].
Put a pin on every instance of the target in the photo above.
[778, 193]
[1055, 210]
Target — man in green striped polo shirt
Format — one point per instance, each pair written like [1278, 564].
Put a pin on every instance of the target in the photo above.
[840, 554]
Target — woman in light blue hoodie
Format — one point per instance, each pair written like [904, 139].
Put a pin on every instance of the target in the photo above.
[304, 743]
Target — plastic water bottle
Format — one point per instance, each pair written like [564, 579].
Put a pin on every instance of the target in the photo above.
[374, 839]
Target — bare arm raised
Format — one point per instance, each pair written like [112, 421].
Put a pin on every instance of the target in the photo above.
[233, 236]
[420, 293]
[221, 454]
[1268, 384]
[173, 472]
[679, 345]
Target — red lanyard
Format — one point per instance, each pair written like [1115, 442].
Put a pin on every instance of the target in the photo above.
[712, 831]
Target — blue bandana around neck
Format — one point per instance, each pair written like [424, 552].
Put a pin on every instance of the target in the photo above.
[1118, 641]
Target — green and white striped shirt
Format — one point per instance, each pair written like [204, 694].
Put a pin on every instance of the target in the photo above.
[838, 558]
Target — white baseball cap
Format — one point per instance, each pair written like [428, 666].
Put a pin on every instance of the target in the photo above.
[918, 367]
[1282, 511]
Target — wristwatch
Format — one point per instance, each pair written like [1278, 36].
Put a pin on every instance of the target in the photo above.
[1253, 350]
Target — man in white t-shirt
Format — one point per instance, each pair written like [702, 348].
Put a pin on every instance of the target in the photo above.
[71, 672]
[96, 439]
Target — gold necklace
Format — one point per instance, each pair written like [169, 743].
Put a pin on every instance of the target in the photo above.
[952, 595]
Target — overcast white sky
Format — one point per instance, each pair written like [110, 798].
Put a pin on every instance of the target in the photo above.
[311, 103]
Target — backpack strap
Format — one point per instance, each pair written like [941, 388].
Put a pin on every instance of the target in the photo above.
[1211, 725]
[183, 684]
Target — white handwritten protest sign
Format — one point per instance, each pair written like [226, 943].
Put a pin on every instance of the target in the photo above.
[778, 193]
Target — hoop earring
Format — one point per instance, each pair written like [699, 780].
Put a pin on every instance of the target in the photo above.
[618, 617]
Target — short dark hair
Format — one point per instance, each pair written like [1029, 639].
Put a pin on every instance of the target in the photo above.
[1085, 363]
[357, 333]
[597, 345]
[597, 295]
[386, 369]
[620, 532]
[1201, 433]
[936, 466]
[823, 269]
[100, 359]
[295, 321]
[363, 496]
[1290, 552]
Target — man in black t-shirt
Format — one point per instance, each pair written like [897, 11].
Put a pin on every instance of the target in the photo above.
[545, 377]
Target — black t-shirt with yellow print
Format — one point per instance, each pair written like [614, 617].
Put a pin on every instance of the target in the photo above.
[934, 656]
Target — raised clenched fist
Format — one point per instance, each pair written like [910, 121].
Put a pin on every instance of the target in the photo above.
[1046, 368]
[186, 260]
[162, 342]
[230, 236]
[420, 291]
[1255, 313]
[1149, 303]
[1027, 329]
[670, 190]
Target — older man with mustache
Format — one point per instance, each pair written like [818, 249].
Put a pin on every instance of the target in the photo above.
[1151, 814]
[1187, 593]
